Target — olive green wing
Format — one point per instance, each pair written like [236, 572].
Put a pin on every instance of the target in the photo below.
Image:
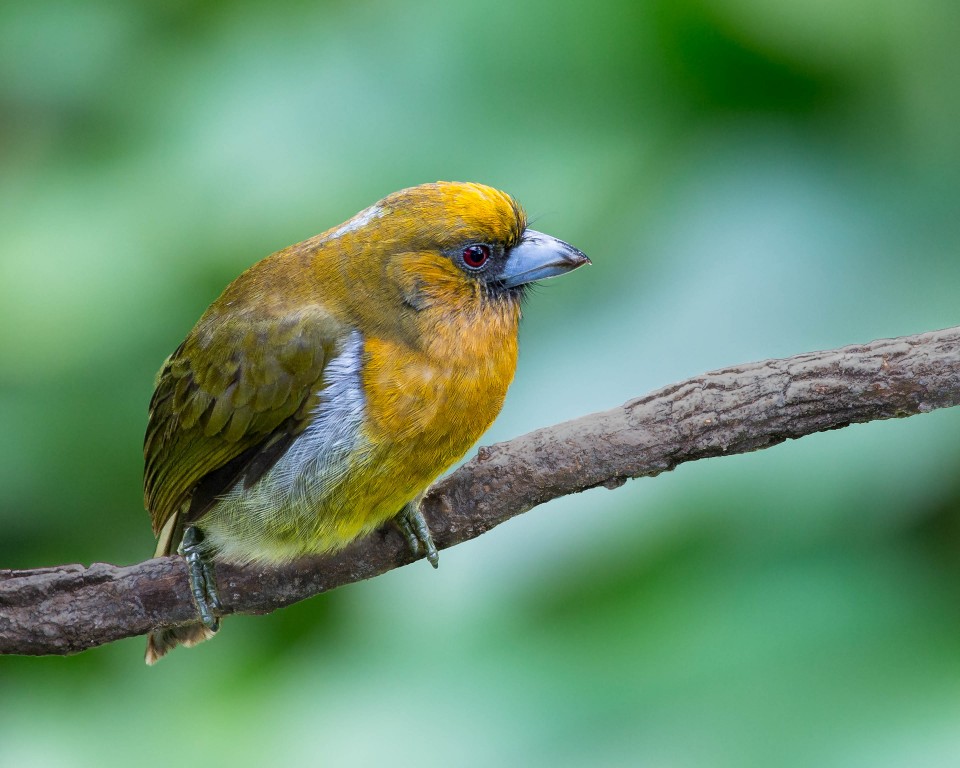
[228, 402]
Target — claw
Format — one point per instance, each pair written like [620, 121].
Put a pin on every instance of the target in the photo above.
[203, 581]
[403, 525]
[413, 527]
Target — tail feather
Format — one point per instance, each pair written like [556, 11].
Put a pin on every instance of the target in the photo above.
[160, 641]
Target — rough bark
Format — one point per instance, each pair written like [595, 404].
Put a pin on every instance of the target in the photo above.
[70, 608]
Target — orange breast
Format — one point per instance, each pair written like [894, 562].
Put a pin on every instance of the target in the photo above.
[427, 405]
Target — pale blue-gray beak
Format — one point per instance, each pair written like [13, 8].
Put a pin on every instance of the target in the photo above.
[538, 256]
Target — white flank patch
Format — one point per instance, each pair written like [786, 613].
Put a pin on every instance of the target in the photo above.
[241, 524]
[321, 453]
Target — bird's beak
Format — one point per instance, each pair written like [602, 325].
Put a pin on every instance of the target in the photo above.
[538, 256]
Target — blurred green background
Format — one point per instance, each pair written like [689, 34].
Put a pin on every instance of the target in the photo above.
[751, 179]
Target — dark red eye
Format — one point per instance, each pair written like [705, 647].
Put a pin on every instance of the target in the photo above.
[475, 256]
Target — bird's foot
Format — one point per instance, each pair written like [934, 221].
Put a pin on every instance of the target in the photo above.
[413, 527]
[203, 582]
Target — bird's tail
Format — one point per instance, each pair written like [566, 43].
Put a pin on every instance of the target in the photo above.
[162, 640]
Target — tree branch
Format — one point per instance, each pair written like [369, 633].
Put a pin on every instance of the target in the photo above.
[69, 608]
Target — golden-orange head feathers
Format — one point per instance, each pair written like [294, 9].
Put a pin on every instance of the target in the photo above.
[446, 247]
[438, 216]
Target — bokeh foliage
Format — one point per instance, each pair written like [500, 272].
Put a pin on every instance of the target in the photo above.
[751, 179]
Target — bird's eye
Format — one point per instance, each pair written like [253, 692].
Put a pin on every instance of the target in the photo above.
[475, 256]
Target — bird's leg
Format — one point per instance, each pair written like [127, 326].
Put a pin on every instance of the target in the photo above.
[414, 529]
[203, 582]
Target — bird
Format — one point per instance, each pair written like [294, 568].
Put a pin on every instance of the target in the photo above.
[333, 381]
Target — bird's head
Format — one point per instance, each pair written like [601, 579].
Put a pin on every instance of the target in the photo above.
[445, 246]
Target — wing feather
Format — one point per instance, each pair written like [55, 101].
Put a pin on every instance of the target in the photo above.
[228, 402]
